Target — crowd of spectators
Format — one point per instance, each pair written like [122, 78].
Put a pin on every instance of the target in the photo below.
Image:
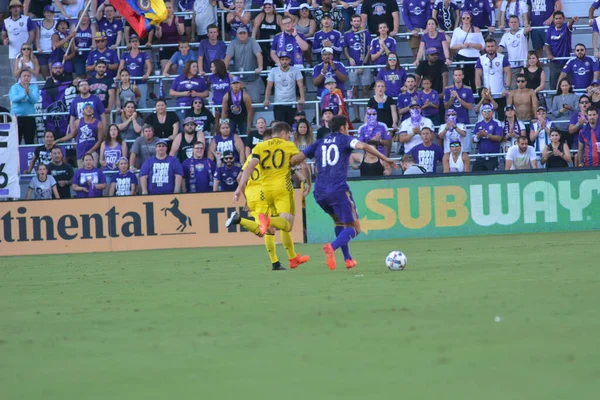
[194, 129]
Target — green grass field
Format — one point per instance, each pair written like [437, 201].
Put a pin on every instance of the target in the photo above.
[218, 324]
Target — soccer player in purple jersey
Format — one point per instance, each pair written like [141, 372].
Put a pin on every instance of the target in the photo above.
[332, 155]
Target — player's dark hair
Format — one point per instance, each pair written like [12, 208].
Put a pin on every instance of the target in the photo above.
[280, 127]
[337, 122]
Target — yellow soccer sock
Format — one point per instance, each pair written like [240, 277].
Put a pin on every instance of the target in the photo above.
[288, 244]
[271, 249]
[249, 225]
[280, 223]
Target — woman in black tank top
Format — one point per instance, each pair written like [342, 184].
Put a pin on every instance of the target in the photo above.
[556, 154]
[535, 75]
[369, 165]
[266, 25]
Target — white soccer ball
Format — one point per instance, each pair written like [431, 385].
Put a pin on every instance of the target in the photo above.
[396, 261]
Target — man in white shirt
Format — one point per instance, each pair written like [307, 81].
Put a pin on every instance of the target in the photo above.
[17, 30]
[493, 72]
[284, 78]
[410, 129]
[515, 43]
[521, 156]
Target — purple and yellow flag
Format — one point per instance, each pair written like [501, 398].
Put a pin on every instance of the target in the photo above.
[142, 15]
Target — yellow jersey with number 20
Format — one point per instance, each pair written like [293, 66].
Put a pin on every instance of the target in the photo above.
[274, 160]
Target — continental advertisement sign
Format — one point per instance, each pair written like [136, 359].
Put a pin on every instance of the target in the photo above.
[467, 205]
[124, 223]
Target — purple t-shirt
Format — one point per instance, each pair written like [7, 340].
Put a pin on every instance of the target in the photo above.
[493, 127]
[481, 10]
[94, 176]
[77, 105]
[108, 55]
[376, 48]
[111, 29]
[112, 155]
[573, 121]
[123, 183]
[434, 98]
[415, 13]
[540, 10]
[227, 177]
[161, 174]
[357, 44]
[336, 42]
[404, 100]
[198, 175]
[466, 94]
[435, 42]
[329, 73]
[211, 52]
[427, 157]
[559, 41]
[582, 71]
[219, 87]
[87, 137]
[283, 41]
[183, 84]
[135, 65]
[332, 156]
[366, 133]
[446, 17]
[394, 80]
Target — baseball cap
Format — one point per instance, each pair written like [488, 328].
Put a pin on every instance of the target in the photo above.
[49, 9]
[541, 108]
[455, 141]
[283, 54]
[100, 36]
[487, 107]
[268, 2]
[189, 120]
[300, 114]
[432, 50]
[330, 80]
[304, 5]
[227, 153]
[14, 3]
[323, 111]
[88, 104]
[596, 82]
[235, 79]
[160, 141]
[57, 64]
[327, 50]
[242, 28]
[509, 107]
[326, 15]
[133, 36]
[416, 103]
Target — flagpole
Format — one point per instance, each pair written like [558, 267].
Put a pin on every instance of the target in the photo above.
[87, 7]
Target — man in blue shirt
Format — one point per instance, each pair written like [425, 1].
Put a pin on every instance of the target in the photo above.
[581, 68]
[332, 193]
[558, 44]
[540, 12]
[488, 133]
[102, 52]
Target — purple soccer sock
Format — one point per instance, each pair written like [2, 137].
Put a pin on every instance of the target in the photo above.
[344, 235]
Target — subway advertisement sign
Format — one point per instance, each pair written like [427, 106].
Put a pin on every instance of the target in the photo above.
[467, 205]
[125, 223]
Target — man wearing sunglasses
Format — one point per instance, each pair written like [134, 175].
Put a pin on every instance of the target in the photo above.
[578, 121]
[581, 69]
[102, 52]
[488, 133]
[525, 100]
[226, 176]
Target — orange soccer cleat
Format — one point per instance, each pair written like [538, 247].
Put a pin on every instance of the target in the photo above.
[299, 259]
[263, 223]
[330, 254]
[350, 263]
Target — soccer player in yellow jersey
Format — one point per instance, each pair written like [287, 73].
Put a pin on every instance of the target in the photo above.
[274, 156]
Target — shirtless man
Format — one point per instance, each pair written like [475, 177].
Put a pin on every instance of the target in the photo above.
[524, 100]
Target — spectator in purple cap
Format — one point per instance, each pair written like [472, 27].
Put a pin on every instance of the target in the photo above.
[162, 173]
[582, 69]
[124, 183]
[374, 132]
[225, 177]
[198, 171]
[329, 68]
[410, 129]
[456, 160]
[88, 181]
[512, 128]
[434, 40]
[488, 133]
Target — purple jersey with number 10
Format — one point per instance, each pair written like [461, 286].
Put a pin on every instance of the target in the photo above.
[332, 194]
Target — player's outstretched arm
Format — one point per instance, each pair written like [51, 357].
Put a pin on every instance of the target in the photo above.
[372, 150]
[304, 176]
[244, 179]
[297, 158]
